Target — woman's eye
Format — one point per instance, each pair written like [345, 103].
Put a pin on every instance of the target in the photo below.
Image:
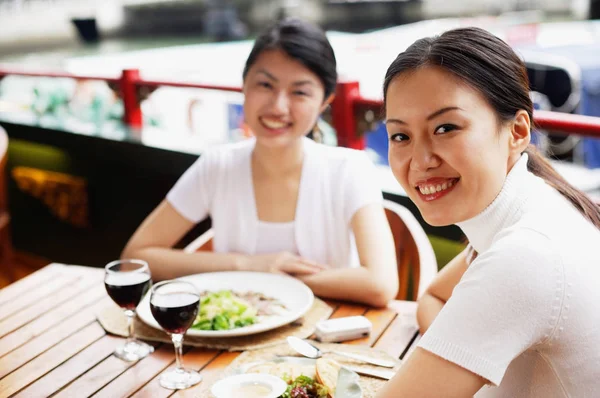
[398, 137]
[265, 84]
[300, 93]
[445, 128]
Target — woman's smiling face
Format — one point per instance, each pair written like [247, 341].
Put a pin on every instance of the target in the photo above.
[283, 99]
[447, 148]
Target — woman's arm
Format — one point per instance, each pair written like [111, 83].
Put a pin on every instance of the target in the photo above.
[376, 281]
[426, 375]
[164, 227]
[433, 300]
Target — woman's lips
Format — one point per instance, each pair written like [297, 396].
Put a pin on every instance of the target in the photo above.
[275, 126]
[434, 189]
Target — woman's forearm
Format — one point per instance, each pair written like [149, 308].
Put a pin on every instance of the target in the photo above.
[428, 309]
[354, 284]
[172, 263]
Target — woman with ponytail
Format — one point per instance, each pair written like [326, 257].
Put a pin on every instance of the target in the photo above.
[516, 314]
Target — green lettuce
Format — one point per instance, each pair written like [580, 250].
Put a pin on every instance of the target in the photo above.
[223, 310]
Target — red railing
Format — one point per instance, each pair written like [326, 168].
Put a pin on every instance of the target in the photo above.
[352, 115]
[555, 122]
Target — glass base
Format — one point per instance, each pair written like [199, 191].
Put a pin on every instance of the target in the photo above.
[178, 379]
[133, 350]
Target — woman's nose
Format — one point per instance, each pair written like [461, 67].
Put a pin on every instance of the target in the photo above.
[423, 157]
[281, 103]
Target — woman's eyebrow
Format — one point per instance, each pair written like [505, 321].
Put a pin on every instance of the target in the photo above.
[432, 116]
[443, 110]
[304, 82]
[267, 74]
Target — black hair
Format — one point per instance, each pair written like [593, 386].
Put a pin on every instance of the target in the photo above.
[302, 41]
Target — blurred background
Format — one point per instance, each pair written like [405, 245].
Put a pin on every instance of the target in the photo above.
[81, 173]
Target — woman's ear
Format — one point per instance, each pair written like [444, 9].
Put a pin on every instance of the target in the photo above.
[520, 132]
[327, 102]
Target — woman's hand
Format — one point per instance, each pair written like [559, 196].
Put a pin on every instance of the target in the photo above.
[283, 263]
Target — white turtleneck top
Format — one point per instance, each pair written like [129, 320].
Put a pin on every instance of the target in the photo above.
[526, 313]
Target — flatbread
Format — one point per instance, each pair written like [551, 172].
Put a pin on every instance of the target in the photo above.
[327, 374]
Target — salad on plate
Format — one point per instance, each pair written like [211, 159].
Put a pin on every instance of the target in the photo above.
[226, 310]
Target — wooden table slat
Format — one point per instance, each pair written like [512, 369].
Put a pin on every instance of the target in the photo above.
[210, 374]
[195, 359]
[50, 359]
[37, 295]
[72, 368]
[407, 309]
[131, 381]
[412, 347]
[381, 318]
[29, 282]
[50, 319]
[39, 344]
[96, 378]
[401, 331]
[332, 303]
[139, 375]
[75, 288]
[348, 309]
[161, 360]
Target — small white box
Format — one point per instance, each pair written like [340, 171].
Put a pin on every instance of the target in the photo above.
[342, 329]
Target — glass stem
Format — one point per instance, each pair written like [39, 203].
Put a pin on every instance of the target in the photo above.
[178, 343]
[130, 314]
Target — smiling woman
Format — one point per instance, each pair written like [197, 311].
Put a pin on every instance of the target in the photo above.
[280, 202]
[518, 310]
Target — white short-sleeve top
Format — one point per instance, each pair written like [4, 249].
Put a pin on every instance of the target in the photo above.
[335, 183]
[526, 313]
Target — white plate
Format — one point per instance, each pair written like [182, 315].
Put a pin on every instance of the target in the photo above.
[295, 295]
[226, 388]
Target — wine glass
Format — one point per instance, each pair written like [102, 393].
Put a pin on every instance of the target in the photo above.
[126, 282]
[175, 305]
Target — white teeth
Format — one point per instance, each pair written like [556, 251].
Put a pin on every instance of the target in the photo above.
[272, 124]
[431, 189]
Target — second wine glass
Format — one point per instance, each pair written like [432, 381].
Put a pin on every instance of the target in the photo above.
[175, 305]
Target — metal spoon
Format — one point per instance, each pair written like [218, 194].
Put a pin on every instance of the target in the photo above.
[303, 347]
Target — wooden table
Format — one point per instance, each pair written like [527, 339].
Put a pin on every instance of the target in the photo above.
[52, 345]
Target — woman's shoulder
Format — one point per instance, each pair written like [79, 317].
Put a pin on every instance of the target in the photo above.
[233, 147]
[523, 265]
[520, 255]
[224, 153]
[523, 240]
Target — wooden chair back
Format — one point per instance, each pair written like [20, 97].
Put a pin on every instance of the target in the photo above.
[414, 253]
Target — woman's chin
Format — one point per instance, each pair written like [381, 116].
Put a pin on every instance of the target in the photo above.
[438, 220]
[275, 141]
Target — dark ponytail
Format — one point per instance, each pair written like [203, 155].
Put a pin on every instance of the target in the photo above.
[489, 65]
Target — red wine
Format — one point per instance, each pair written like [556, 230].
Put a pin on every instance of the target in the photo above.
[175, 312]
[127, 289]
